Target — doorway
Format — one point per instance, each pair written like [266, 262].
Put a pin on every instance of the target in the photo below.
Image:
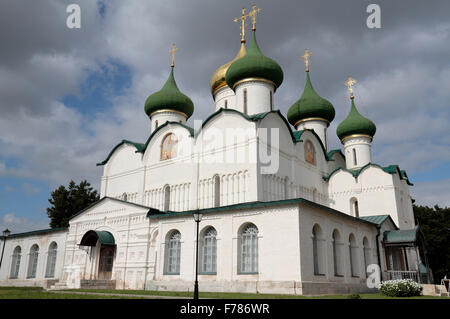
[106, 262]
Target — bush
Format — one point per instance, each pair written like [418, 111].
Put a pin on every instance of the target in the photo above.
[400, 288]
[354, 296]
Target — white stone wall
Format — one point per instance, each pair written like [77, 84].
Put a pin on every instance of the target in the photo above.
[320, 127]
[258, 97]
[25, 243]
[361, 146]
[225, 94]
[163, 117]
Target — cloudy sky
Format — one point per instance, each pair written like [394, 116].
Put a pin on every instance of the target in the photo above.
[67, 96]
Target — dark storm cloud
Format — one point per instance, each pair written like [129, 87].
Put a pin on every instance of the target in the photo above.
[402, 69]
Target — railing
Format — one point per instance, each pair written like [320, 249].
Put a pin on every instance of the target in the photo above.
[403, 274]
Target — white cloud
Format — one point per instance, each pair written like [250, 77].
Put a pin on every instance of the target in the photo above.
[432, 193]
[18, 224]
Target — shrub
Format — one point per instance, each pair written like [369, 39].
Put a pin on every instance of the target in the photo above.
[400, 288]
[354, 296]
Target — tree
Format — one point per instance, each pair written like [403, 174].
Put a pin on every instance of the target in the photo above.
[435, 225]
[67, 202]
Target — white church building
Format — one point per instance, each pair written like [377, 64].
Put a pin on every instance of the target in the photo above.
[281, 212]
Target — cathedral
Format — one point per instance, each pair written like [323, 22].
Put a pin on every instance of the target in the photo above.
[276, 210]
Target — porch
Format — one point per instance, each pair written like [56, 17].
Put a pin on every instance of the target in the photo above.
[406, 256]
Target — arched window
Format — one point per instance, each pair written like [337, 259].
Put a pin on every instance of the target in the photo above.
[173, 253]
[245, 101]
[15, 265]
[51, 260]
[352, 249]
[33, 261]
[325, 137]
[354, 208]
[366, 253]
[310, 153]
[216, 191]
[156, 124]
[336, 253]
[169, 147]
[209, 251]
[248, 241]
[271, 100]
[226, 104]
[124, 196]
[166, 198]
[355, 162]
[317, 250]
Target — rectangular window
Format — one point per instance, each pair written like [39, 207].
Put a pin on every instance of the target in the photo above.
[271, 100]
[245, 101]
[354, 157]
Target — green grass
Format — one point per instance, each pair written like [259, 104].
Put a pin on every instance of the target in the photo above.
[39, 293]
[232, 295]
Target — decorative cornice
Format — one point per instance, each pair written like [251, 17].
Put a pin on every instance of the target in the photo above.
[217, 88]
[355, 135]
[254, 80]
[312, 119]
[168, 110]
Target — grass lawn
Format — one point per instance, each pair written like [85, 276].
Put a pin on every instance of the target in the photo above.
[231, 295]
[39, 293]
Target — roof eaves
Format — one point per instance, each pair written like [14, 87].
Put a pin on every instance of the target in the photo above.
[37, 232]
[138, 146]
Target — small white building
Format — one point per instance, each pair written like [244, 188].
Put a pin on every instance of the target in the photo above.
[281, 212]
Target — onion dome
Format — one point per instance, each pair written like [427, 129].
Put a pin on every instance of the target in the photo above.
[218, 78]
[169, 98]
[310, 106]
[254, 65]
[355, 124]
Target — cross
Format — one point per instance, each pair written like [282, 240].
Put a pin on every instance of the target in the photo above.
[350, 83]
[242, 18]
[306, 57]
[253, 14]
[172, 53]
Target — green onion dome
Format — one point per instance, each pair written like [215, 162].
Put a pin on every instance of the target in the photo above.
[355, 124]
[310, 105]
[169, 98]
[254, 65]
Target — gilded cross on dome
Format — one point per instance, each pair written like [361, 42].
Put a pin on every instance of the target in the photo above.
[172, 53]
[306, 57]
[242, 18]
[350, 83]
[253, 14]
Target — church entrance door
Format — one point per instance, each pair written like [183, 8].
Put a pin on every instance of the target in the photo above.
[106, 262]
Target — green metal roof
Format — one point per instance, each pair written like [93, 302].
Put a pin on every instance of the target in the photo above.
[400, 236]
[355, 123]
[90, 238]
[377, 219]
[310, 105]
[169, 97]
[37, 232]
[391, 169]
[104, 198]
[331, 153]
[138, 146]
[154, 213]
[254, 64]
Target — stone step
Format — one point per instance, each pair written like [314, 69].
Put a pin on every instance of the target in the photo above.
[98, 284]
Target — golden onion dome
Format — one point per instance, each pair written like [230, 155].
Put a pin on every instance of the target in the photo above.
[218, 78]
